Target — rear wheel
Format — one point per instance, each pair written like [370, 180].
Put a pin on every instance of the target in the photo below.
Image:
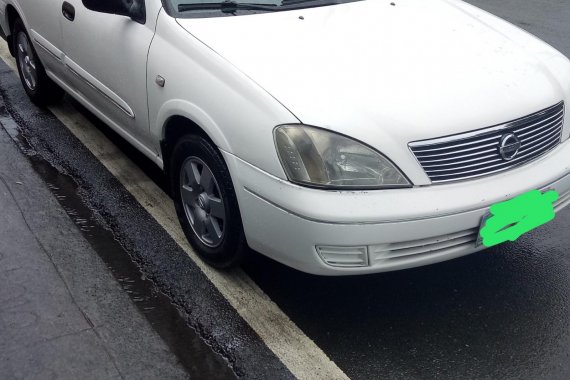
[39, 87]
[206, 203]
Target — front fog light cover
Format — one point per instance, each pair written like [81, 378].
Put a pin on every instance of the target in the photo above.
[316, 157]
[344, 257]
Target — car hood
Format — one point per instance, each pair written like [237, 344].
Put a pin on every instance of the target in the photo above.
[389, 72]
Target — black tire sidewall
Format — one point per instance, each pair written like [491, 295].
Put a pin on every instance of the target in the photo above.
[232, 249]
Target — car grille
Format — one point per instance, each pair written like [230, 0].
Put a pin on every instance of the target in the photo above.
[477, 153]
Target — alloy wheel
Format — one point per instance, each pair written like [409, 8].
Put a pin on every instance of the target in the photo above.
[27, 61]
[202, 201]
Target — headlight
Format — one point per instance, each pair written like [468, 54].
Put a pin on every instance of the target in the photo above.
[316, 157]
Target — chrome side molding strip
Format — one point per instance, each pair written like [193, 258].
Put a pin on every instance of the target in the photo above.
[111, 100]
[44, 48]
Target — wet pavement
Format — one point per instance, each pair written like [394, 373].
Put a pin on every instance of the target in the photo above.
[188, 349]
[62, 314]
[502, 313]
[207, 336]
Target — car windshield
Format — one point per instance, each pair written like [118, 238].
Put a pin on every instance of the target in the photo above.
[209, 8]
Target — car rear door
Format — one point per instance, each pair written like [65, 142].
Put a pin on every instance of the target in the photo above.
[106, 58]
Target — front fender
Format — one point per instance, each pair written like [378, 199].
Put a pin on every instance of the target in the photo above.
[192, 112]
[235, 112]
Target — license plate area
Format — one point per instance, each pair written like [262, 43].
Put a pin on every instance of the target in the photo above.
[525, 210]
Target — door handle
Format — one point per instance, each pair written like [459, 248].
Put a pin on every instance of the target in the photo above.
[68, 11]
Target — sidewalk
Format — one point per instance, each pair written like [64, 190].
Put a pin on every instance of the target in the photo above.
[62, 313]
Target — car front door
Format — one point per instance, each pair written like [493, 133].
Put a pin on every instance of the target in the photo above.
[106, 59]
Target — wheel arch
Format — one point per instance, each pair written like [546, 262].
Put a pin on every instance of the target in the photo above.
[180, 124]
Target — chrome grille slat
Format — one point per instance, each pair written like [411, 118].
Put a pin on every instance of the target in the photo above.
[549, 133]
[511, 165]
[475, 154]
[481, 138]
[540, 142]
[462, 156]
[546, 126]
[479, 175]
[461, 151]
[485, 131]
[464, 166]
[464, 144]
[419, 153]
[544, 143]
[519, 157]
[546, 120]
[542, 118]
[461, 162]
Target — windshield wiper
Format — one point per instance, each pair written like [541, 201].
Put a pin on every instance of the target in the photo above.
[227, 7]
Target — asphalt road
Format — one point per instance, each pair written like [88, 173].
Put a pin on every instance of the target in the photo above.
[502, 313]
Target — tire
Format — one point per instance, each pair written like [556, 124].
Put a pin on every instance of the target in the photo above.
[39, 87]
[208, 210]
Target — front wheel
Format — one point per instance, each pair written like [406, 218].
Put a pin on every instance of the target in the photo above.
[39, 87]
[206, 202]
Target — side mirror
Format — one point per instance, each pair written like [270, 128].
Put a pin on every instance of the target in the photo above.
[135, 9]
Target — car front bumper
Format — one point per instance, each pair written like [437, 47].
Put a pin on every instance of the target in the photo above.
[398, 229]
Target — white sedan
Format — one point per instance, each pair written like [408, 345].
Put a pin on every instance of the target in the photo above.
[337, 137]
